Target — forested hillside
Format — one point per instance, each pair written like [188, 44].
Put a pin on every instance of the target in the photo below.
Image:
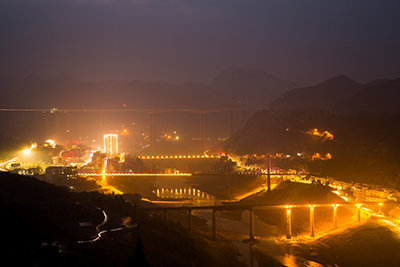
[364, 148]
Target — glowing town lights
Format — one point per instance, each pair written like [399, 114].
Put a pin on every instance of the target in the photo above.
[50, 143]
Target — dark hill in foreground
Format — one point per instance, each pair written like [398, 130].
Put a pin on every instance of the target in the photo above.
[368, 245]
[40, 224]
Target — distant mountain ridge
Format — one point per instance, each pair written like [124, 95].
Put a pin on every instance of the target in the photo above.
[342, 94]
[326, 94]
[232, 89]
[381, 97]
[254, 87]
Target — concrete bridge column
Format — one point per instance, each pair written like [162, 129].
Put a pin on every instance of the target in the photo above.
[334, 216]
[103, 123]
[80, 123]
[165, 214]
[269, 174]
[214, 225]
[312, 225]
[288, 222]
[231, 117]
[251, 223]
[358, 212]
[57, 121]
[241, 118]
[68, 123]
[202, 131]
[152, 132]
[190, 220]
[47, 121]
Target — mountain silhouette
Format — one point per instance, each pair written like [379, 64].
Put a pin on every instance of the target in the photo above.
[379, 97]
[326, 94]
[255, 86]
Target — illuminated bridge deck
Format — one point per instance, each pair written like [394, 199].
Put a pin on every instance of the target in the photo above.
[134, 174]
[179, 157]
[252, 208]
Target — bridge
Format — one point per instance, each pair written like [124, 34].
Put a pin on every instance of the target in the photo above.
[21, 117]
[252, 208]
[204, 156]
[132, 174]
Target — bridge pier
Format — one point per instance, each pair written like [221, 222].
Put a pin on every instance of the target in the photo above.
[190, 220]
[251, 223]
[214, 225]
[334, 216]
[165, 214]
[202, 131]
[231, 117]
[269, 174]
[312, 225]
[241, 119]
[358, 212]
[152, 132]
[288, 222]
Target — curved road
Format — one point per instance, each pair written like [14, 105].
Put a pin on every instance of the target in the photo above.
[104, 231]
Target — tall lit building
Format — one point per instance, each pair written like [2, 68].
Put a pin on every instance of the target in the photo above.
[111, 144]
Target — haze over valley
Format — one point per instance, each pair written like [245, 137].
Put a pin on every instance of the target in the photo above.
[210, 133]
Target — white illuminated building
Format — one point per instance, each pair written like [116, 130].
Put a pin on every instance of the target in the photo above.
[111, 144]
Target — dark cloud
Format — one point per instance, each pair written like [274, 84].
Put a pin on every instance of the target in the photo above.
[306, 41]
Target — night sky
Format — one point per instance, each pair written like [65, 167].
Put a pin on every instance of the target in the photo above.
[306, 41]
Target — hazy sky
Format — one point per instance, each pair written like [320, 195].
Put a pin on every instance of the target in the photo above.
[306, 41]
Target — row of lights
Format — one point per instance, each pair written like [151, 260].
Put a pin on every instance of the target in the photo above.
[176, 157]
[135, 174]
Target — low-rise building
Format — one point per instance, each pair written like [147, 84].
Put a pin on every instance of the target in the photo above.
[61, 173]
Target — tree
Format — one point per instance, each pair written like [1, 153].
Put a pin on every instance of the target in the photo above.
[138, 258]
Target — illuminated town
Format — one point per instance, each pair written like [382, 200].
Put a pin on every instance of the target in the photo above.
[183, 133]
